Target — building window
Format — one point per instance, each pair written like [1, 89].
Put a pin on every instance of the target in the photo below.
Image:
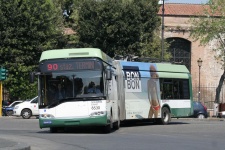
[180, 50]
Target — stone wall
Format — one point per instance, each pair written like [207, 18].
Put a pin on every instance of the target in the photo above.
[210, 72]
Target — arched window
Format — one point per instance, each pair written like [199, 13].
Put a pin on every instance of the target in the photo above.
[180, 50]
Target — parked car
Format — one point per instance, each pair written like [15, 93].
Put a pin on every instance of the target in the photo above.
[223, 114]
[5, 103]
[8, 110]
[200, 110]
[27, 109]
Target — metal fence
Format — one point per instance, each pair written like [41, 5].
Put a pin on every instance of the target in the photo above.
[208, 94]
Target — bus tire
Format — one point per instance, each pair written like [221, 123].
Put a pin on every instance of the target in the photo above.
[166, 116]
[53, 130]
[108, 128]
[26, 114]
[116, 125]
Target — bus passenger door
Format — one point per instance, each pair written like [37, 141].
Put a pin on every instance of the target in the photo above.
[113, 98]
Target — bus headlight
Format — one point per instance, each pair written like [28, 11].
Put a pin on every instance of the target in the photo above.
[98, 113]
[46, 116]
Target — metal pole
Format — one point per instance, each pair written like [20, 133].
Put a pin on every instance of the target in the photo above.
[222, 93]
[199, 85]
[162, 44]
[1, 98]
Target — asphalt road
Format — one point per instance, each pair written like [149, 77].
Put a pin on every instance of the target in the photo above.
[185, 134]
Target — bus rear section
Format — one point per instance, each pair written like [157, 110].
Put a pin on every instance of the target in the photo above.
[156, 91]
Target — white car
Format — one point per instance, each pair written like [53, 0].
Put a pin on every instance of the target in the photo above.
[223, 114]
[27, 108]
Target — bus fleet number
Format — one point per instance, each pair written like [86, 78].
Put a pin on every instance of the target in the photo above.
[95, 107]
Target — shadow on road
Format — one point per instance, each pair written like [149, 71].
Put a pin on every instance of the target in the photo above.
[133, 123]
[79, 130]
[99, 130]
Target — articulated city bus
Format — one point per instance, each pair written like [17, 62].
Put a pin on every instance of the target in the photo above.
[85, 87]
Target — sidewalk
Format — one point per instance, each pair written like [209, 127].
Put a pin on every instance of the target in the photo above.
[11, 145]
[209, 118]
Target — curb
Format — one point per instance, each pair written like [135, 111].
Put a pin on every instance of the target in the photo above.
[209, 119]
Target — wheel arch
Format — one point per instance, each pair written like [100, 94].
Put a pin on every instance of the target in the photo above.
[24, 109]
[165, 115]
[167, 106]
[201, 113]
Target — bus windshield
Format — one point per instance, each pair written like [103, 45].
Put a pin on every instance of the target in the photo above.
[71, 85]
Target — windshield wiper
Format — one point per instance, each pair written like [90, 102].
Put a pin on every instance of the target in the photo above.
[55, 103]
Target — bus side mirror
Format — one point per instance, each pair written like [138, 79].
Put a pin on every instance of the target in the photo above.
[32, 77]
[108, 74]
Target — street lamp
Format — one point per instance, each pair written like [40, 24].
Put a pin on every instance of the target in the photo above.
[199, 65]
[162, 41]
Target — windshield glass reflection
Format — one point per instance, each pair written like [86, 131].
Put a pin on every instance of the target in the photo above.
[71, 85]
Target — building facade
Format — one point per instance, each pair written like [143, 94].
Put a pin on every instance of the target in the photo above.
[186, 50]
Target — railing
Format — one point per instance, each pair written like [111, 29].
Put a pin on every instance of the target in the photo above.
[207, 95]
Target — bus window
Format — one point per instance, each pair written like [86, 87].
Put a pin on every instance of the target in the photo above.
[174, 89]
[184, 86]
[167, 88]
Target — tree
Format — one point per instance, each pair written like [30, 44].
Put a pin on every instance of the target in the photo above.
[70, 14]
[118, 27]
[209, 26]
[27, 28]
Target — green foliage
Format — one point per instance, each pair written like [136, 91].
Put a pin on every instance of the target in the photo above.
[70, 14]
[117, 27]
[210, 26]
[153, 49]
[27, 27]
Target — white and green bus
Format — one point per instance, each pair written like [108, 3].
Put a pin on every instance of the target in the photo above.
[85, 87]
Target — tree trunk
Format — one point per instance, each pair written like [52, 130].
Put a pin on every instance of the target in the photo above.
[218, 89]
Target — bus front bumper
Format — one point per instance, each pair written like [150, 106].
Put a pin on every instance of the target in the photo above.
[72, 122]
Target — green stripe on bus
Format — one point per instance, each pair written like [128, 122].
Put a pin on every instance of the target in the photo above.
[181, 112]
[91, 121]
[173, 75]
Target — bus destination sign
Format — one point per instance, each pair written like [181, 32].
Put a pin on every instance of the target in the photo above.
[69, 65]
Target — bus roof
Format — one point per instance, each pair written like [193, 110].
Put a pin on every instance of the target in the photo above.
[161, 67]
[75, 53]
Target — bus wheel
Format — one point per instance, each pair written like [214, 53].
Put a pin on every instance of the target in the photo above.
[53, 130]
[116, 125]
[165, 116]
[108, 128]
[26, 114]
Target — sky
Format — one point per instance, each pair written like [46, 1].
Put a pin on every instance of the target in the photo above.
[186, 1]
